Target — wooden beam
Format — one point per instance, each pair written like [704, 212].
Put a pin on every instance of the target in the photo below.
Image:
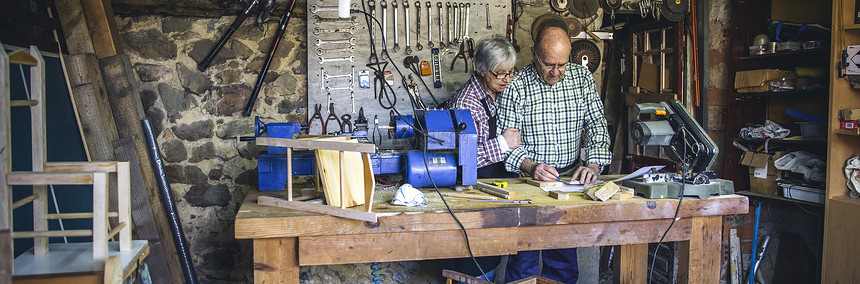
[101, 23]
[52, 234]
[24, 200]
[560, 195]
[470, 196]
[318, 208]
[324, 250]
[100, 220]
[81, 167]
[46, 178]
[495, 190]
[6, 250]
[75, 30]
[316, 144]
[115, 230]
[39, 149]
[276, 260]
[700, 256]
[630, 264]
[20, 103]
[82, 215]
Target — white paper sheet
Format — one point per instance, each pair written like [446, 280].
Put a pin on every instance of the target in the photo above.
[639, 173]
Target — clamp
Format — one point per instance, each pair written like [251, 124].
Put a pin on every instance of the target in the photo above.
[318, 116]
[502, 184]
[345, 122]
[376, 130]
[331, 116]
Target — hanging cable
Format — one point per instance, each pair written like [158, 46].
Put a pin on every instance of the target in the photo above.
[677, 209]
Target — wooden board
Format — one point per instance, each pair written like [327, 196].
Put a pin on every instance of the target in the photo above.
[318, 208]
[75, 258]
[559, 195]
[316, 144]
[544, 184]
[274, 259]
[701, 252]
[328, 166]
[495, 190]
[631, 263]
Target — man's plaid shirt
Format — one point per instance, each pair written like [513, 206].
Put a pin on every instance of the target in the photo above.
[469, 98]
[553, 118]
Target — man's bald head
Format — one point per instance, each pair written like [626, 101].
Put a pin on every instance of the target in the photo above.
[552, 38]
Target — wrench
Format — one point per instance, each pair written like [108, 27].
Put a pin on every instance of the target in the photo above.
[524, 201]
[456, 9]
[487, 7]
[448, 13]
[406, 8]
[324, 60]
[329, 89]
[418, 25]
[466, 32]
[350, 41]
[372, 5]
[384, 21]
[429, 25]
[326, 76]
[439, 24]
[396, 41]
[350, 30]
[318, 20]
[321, 51]
[315, 8]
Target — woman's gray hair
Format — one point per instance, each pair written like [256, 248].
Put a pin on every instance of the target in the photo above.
[493, 52]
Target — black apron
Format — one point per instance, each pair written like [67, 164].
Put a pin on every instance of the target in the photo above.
[494, 170]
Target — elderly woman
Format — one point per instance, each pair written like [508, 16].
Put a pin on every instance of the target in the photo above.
[494, 69]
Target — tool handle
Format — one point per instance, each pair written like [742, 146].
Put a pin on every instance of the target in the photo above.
[282, 26]
[226, 36]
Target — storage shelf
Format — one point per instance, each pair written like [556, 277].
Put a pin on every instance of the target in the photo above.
[846, 132]
[846, 199]
[783, 142]
[803, 52]
[815, 92]
[780, 198]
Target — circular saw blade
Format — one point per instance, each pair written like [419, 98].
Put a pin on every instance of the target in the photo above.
[586, 53]
[574, 26]
[584, 9]
[675, 10]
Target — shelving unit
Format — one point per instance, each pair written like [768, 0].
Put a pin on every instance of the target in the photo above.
[780, 198]
[842, 212]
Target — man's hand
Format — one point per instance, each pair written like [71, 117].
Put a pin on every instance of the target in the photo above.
[586, 174]
[544, 172]
[512, 137]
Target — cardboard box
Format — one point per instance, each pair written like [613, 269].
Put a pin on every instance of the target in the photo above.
[762, 173]
[753, 81]
[649, 75]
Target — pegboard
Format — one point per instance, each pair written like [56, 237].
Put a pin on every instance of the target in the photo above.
[330, 82]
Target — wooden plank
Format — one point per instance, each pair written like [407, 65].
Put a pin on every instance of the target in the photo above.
[623, 193]
[22, 57]
[96, 120]
[100, 220]
[83, 68]
[630, 264]
[342, 184]
[82, 215]
[163, 261]
[840, 236]
[66, 233]
[123, 179]
[462, 277]
[20, 103]
[601, 234]
[290, 174]
[606, 191]
[325, 250]
[735, 263]
[544, 184]
[560, 195]
[6, 255]
[318, 208]
[81, 167]
[6, 251]
[276, 260]
[115, 230]
[257, 221]
[329, 167]
[316, 144]
[470, 196]
[101, 23]
[700, 256]
[38, 147]
[113, 271]
[74, 25]
[369, 183]
[495, 190]
[46, 178]
[24, 200]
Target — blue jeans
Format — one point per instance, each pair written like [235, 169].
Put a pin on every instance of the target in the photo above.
[558, 264]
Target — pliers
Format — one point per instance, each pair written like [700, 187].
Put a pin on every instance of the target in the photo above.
[345, 121]
[331, 116]
[317, 115]
[461, 54]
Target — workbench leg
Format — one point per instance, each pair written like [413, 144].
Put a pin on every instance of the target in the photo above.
[276, 260]
[700, 256]
[630, 264]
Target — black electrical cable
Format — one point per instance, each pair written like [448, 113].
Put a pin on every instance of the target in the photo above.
[678, 209]
[424, 148]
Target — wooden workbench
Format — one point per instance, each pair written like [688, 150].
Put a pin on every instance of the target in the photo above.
[286, 239]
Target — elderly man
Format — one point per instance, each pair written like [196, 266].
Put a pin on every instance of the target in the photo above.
[494, 69]
[555, 106]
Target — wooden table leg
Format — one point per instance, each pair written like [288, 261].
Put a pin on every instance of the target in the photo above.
[630, 264]
[276, 260]
[700, 256]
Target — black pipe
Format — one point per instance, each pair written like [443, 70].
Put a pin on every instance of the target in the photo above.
[282, 26]
[169, 204]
